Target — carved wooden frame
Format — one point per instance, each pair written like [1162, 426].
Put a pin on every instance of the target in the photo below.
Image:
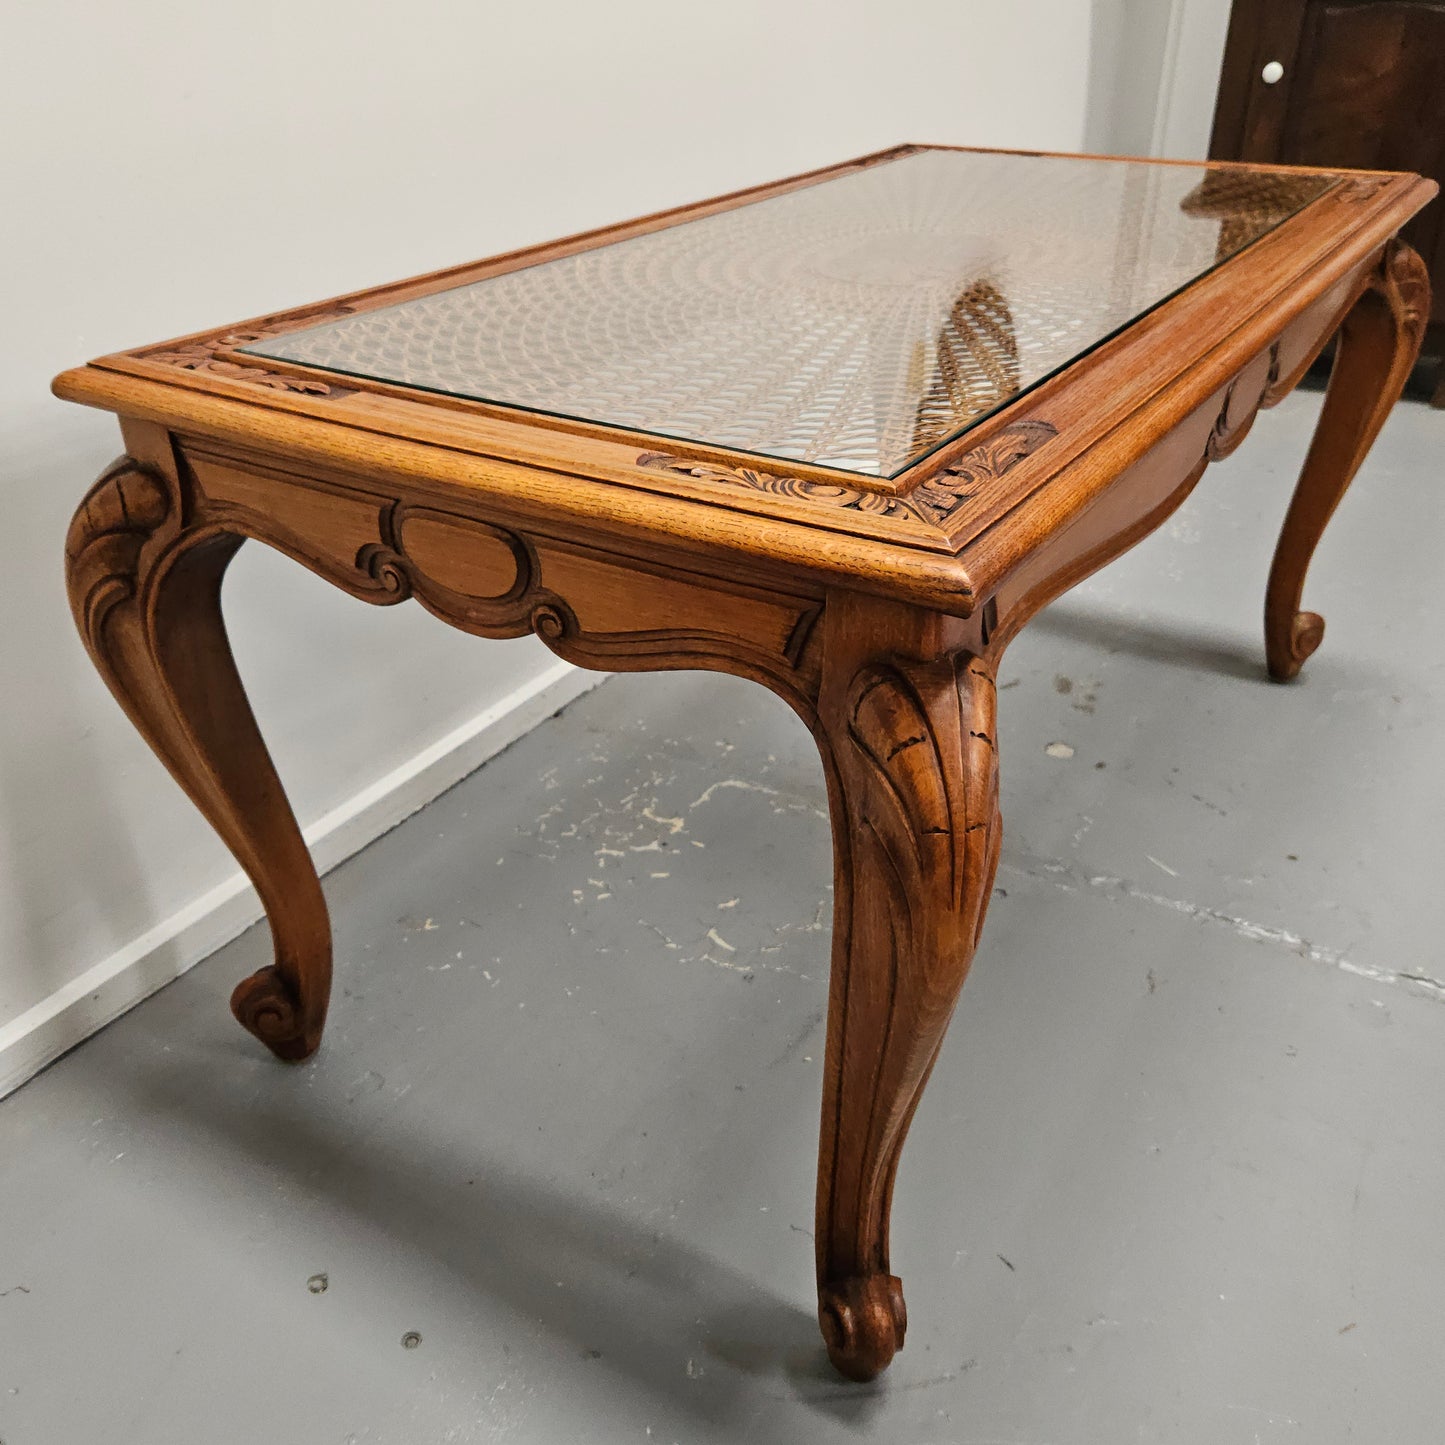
[879, 609]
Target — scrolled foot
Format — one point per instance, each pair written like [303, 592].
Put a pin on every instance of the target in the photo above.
[1287, 655]
[863, 1321]
[266, 1005]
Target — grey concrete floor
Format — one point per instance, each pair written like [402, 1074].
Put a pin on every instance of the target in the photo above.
[1178, 1176]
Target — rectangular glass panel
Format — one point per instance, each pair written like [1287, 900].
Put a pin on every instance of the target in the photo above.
[857, 323]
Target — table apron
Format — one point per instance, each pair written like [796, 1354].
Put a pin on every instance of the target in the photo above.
[594, 604]
[1040, 551]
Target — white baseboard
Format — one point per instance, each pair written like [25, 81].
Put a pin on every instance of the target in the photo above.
[164, 952]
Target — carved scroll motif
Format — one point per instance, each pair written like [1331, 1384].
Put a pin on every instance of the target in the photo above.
[933, 500]
[485, 580]
[497, 581]
[125, 508]
[489, 580]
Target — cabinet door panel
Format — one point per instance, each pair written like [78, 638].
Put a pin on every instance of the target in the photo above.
[1369, 91]
[1250, 116]
[1363, 85]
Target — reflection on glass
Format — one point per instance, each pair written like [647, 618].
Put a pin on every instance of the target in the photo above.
[973, 367]
[856, 323]
[1243, 208]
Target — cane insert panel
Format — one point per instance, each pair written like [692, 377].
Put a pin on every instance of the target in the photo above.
[858, 322]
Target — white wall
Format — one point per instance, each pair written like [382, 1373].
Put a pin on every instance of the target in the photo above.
[1190, 78]
[1153, 75]
[173, 164]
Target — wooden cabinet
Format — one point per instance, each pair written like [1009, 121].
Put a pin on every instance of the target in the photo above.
[1357, 83]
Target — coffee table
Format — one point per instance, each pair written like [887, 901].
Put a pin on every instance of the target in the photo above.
[843, 435]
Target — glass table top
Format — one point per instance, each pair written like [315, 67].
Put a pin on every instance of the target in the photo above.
[858, 323]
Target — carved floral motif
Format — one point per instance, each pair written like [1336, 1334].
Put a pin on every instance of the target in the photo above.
[947, 489]
[201, 355]
[932, 500]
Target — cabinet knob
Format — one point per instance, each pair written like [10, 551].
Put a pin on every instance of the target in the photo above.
[1272, 73]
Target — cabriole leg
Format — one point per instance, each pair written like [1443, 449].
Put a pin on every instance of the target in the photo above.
[1377, 345]
[146, 594]
[914, 784]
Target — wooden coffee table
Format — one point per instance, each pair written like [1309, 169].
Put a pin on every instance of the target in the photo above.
[843, 435]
